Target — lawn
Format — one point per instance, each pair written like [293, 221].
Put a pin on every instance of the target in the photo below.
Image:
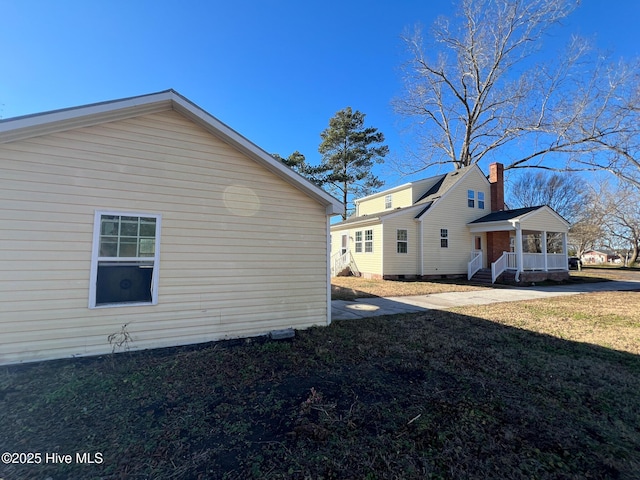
[538, 389]
[350, 288]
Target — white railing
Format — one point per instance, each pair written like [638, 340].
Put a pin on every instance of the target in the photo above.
[556, 261]
[499, 266]
[474, 265]
[339, 262]
[535, 261]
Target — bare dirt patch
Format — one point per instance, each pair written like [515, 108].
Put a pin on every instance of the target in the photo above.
[349, 288]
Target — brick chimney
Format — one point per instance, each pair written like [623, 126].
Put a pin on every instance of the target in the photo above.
[496, 179]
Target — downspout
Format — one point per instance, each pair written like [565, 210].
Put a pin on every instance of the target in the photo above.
[328, 247]
[519, 259]
[421, 244]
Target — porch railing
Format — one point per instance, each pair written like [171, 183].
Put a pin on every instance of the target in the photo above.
[535, 261]
[339, 262]
[530, 261]
[499, 266]
[474, 265]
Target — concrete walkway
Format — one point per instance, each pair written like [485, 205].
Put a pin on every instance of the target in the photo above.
[373, 307]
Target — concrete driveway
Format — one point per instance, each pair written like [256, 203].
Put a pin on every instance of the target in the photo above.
[377, 306]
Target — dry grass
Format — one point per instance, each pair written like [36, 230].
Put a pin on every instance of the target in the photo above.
[608, 319]
[348, 288]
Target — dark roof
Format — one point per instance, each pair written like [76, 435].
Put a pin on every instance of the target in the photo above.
[427, 206]
[434, 188]
[506, 214]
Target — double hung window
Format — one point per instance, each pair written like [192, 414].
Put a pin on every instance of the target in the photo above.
[359, 242]
[444, 238]
[368, 241]
[402, 240]
[124, 264]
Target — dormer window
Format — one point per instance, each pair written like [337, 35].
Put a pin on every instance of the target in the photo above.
[387, 201]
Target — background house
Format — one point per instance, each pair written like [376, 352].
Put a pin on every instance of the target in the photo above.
[599, 257]
[450, 225]
[149, 212]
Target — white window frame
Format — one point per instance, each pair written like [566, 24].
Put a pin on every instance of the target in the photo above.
[388, 201]
[481, 200]
[404, 241]
[95, 258]
[444, 238]
[471, 198]
[368, 241]
[358, 242]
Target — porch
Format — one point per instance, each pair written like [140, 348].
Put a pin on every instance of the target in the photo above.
[531, 243]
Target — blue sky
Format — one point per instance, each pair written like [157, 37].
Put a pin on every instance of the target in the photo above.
[275, 71]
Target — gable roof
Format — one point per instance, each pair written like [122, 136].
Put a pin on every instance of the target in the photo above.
[440, 185]
[506, 215]
[27, 126]
[508, 219]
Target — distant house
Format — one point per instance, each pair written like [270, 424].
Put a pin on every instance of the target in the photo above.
[599, 257]
[450, 225]
[149, 212]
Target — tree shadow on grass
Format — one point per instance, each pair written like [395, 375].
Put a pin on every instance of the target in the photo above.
[425, 395]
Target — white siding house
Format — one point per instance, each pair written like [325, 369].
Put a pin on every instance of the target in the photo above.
[149, 212]
[450, 225]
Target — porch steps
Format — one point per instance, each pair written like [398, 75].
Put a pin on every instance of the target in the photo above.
[482, 276]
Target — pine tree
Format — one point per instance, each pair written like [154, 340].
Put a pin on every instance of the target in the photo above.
[349, 153]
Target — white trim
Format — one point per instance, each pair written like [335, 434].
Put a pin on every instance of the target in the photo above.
[95, 258]
[406, 230]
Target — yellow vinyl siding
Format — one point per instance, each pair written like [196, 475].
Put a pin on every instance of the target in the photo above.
[452, 213]
[367, 263]
[376, 203]
[226, 269]
[400, 263]
[543, 220]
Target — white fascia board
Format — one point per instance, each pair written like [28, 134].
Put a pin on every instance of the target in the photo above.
[504, 225]
[357, 224]
[29, 126]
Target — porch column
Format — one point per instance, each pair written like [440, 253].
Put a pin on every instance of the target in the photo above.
[519, 260]
[544, 250]
[565, 250]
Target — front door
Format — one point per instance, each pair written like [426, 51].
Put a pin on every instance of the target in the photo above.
[345, 244]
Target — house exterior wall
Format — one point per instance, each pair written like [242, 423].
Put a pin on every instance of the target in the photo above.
[376, 204]
[242, 252]
[400, 264]
[497, 243]
[452, 213]
[368, 264]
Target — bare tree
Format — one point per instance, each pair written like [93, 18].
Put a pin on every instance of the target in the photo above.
[478, 88]
[563, 192]
[587, 231]
[621, 216]
[616, 130]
